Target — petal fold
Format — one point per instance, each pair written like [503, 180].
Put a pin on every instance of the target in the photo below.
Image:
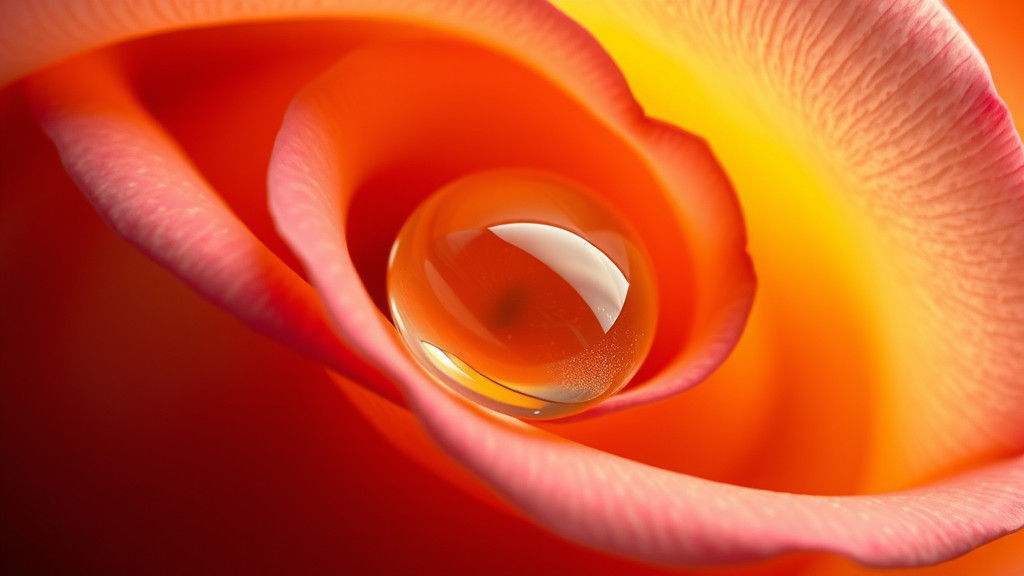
[628, 508]
[145, 187]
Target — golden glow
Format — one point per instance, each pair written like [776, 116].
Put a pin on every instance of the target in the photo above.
[816, 267]
[849, 287]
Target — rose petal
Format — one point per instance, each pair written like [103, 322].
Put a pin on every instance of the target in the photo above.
[891, 107]
[644, 512]
[999, 558]
[995, 27]
[593, 497]
[149, 192]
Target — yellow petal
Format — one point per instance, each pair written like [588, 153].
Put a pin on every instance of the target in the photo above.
[877, 167]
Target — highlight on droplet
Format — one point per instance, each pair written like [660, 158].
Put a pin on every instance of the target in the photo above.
[523, 291]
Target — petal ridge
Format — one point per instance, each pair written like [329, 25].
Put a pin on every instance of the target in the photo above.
[144, 187]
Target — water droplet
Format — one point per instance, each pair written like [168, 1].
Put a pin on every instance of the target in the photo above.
[524, 292]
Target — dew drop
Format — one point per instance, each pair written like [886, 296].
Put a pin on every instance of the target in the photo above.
[524, 292]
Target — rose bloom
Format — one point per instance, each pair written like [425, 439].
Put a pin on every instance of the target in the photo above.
[166, 406]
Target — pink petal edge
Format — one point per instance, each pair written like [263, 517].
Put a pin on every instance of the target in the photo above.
[144, 186]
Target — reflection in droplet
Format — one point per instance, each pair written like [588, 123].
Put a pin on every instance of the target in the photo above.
[587, 270]
[522, 292]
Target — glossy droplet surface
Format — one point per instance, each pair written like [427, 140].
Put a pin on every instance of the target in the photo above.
[522, 291]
